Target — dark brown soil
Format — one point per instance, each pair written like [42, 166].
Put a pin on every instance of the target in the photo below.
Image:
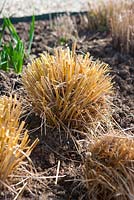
[55, 147]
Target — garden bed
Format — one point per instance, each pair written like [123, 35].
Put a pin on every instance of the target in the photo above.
[52, 148]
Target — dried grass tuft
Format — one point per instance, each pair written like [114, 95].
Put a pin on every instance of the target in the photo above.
[68, 89]
[116, 16]
[122, 27]
[99, 14]
[14, 140]
[65, 27]
[109, 168]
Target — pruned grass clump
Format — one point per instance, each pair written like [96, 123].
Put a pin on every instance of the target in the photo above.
[109, 168]
[14, 139]
[68, 89]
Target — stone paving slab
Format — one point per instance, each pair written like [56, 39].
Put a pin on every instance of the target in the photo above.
[20, 8]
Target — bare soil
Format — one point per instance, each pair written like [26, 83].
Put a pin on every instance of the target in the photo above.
[54, 147]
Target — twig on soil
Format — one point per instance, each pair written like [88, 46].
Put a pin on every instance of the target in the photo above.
[39, 177]
[128, 129]
[57, 174]
[20, 191]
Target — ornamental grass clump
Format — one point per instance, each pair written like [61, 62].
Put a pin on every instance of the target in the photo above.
[122, 27]
[99, 14]
[67, 89]
[109, 168]
[14, 139]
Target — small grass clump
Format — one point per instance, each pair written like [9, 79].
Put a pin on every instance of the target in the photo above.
[67, 89]
[122, 27]
[117, 17]
[99, 15]
[14, 139]
[109, 168]
[65, 28]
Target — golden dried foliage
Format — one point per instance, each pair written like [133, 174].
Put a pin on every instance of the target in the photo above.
[99, 14]
[118, 17]
[14, 140]
[122, 27]
[68, 89]
[109, 168]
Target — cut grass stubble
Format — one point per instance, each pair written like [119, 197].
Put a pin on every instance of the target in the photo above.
[68, 89]
[14, 139]
[109, 168]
